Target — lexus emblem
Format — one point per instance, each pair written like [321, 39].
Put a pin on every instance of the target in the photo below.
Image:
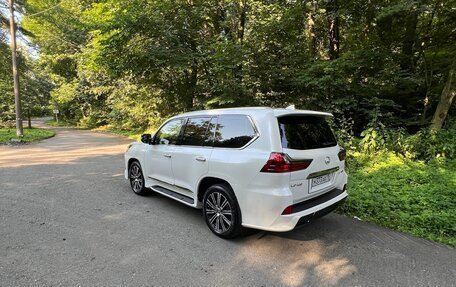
[327, 160]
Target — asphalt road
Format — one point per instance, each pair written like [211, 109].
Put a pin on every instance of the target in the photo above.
[68, 218]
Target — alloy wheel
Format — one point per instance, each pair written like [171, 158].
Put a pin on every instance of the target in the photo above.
[136, 178]
[219, 212]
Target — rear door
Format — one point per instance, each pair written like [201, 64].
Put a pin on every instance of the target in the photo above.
[191, 156]
[309, 137]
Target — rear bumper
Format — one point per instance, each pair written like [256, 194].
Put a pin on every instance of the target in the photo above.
[307, 218]
[307, 211]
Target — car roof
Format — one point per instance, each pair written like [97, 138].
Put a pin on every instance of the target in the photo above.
[255, 111]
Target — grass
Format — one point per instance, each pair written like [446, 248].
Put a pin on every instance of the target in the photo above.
[30, 135]
[136, 135]
[409, 196]
[61, 123]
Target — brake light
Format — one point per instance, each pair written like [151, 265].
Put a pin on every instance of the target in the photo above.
[279, 162]
[342, 154]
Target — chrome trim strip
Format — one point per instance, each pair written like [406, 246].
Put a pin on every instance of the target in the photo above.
[323, 172]
[150, 177]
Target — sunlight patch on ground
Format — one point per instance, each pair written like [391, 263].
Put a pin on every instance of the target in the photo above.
[298, 260]
[65, 148]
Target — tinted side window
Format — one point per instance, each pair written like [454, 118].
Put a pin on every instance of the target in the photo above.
[195, 131]
[169, 133]
[233, 131]
[209, 139]
[305, 132]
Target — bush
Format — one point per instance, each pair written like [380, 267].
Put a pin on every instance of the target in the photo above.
[426, 145]
[429, 144]
[403, 194]
[8, 124]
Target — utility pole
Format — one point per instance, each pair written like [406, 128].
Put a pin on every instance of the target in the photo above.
[17, 98]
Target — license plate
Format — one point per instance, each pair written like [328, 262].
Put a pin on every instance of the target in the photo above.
[320, 180]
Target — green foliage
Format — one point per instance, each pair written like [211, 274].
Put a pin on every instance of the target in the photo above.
[6, 82]
[30, 135]
[405, 195]
[34, 86]
[430, 144]
[427, 144]
[166, 57]
[60, 123]
[372, 140]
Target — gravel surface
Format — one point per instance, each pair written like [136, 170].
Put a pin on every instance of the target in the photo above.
[68, 218]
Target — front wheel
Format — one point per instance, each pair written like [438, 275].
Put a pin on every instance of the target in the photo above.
[221, 211]
[137, 182]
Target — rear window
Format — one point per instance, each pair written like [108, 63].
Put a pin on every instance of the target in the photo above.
[196, 132]
[233, 131]
[305, 132]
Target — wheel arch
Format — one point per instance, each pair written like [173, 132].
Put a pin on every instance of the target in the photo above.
[130, 161]
[208, 181]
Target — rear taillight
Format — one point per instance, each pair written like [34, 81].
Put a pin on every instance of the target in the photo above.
[279, 162]
[342, 154]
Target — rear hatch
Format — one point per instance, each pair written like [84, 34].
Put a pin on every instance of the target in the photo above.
[309, 138]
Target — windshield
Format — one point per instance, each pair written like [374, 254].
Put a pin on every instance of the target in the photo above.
[305, 132]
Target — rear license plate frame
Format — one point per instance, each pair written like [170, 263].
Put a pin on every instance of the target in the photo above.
[320, 180]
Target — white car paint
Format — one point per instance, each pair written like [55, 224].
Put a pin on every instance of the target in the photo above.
[262, 196]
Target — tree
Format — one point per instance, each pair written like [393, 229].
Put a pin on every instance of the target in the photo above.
[17, 98]
[446, 98]
[131, 63]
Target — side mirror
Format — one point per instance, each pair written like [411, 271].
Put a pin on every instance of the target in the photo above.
[146, 138]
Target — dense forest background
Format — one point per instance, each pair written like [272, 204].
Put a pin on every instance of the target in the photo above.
[386, 69]
[133, 63]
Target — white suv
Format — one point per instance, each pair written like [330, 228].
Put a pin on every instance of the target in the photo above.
[263, 168]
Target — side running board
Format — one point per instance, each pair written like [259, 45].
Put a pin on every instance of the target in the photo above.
[173, 194]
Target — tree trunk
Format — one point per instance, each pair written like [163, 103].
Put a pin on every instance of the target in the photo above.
[448, 94]
[219, 20]
[409, 41]
[29, 121]
[242, 18]
[384, 28]
[332, 8]
[191, 82]
[17, 97]
[312, 31]
[428, 74]
[238, 70]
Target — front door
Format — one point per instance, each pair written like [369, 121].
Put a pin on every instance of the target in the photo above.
[158, 159]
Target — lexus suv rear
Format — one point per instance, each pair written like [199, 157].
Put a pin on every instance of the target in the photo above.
[263, 168]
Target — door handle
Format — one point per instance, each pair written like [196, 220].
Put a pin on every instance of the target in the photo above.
[200, 158]
[167, 155]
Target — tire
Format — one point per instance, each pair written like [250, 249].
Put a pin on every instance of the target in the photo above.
[221, 211]
[137, 182]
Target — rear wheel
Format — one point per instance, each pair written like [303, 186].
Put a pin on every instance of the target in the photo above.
[137, 179]
[221, 211]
